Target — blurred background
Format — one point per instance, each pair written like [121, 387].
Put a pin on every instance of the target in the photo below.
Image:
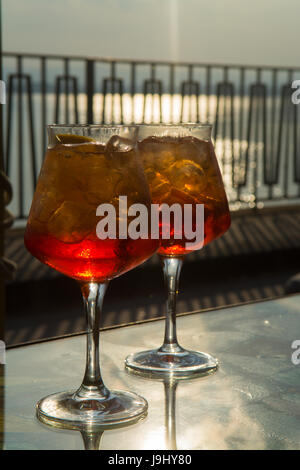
[130, 61]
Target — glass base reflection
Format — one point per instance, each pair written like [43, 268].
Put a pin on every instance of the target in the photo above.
[70, 411]
[157, 363]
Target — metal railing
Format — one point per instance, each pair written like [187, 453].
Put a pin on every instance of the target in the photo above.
[255, 122]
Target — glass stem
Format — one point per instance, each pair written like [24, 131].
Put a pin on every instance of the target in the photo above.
[92, 386]
[171, 268]
[91, 439]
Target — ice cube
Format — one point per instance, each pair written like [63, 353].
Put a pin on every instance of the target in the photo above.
[180, 197]
[45, 204]
[119, 144]
[158, 152]
[197, 150]
[165, 159]
[187, 176]
[159, 185]
[72, 221]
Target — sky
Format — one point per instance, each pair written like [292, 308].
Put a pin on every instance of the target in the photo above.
[258, 32]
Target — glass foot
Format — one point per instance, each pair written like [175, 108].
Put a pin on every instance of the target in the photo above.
[68, 411]
[157, 363]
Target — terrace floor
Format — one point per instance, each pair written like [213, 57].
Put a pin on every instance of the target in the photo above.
[254, 260]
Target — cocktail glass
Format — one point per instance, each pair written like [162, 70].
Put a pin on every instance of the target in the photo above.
[182, 170]
[85, 172]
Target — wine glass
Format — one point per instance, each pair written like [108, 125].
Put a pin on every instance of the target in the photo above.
[85, 172]
[182, 170]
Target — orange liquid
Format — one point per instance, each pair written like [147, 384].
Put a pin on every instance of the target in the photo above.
[61, 229]
[91, 260]
[185, 171]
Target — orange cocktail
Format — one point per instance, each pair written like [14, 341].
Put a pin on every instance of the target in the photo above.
[77, 176]
[86, 172]
[184, 170]
[183, 174]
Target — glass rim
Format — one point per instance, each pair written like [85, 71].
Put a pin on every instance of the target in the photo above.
[96, 126]
[200, 125]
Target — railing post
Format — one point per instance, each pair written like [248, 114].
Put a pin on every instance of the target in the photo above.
[90, 89]
[7, 267]
[2, 291]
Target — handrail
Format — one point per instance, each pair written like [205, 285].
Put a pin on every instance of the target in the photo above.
[146, 62]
